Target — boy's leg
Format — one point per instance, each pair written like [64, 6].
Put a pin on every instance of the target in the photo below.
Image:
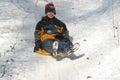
[66, 48]
[47, 45]
[63, 47]
[51, 46]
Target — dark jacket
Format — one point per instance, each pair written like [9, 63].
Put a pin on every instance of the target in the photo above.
[50, 28]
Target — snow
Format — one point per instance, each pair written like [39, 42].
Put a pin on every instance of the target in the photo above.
[92, 23]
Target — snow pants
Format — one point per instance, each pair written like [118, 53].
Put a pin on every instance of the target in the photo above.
[62, 45]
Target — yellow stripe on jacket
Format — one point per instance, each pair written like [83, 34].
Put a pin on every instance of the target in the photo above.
[46, 36]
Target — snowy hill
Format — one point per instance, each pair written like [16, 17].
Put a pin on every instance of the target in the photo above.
[93, 23]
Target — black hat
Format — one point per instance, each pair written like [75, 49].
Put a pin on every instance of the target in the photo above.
[50, 8]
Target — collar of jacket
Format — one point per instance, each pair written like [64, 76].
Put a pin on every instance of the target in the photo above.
[46, 18]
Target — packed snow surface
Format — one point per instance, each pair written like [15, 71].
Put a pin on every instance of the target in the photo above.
[92, 23]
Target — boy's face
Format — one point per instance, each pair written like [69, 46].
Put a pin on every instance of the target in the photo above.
[50, 14]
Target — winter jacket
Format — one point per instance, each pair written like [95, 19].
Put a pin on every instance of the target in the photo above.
[48, 28]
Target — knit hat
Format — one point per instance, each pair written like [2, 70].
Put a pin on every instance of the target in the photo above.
[50, 8]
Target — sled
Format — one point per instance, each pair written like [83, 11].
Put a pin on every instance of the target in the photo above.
[43, 52]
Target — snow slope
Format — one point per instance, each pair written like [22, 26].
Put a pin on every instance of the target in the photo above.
[92, 23]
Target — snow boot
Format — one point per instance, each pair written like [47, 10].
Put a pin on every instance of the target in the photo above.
[55, 48]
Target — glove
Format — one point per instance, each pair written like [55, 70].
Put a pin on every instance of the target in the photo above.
[59, 36]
